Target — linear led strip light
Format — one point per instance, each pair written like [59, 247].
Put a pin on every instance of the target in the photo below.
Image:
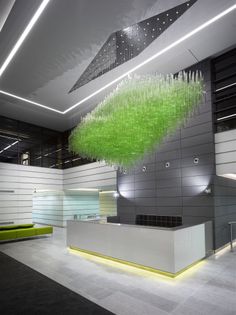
[161, 52]
[24, 35]
[225, 117]
[220, 89]
[9, 146]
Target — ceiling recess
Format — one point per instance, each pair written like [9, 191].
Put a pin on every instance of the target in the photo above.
[125, 44]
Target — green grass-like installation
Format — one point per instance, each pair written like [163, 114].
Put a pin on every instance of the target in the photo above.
[136, 117]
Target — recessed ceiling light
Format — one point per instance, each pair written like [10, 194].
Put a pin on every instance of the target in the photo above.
[24, 35]
[156, 55]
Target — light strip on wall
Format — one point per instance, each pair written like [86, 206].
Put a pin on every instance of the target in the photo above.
[161, 52]
[225, 117]
[24, 35]
[225, 87]
[9, 146]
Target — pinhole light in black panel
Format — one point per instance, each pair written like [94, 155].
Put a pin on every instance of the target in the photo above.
[125, 44]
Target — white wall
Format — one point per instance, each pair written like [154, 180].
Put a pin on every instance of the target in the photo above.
[93, 175]
[16, 206]
[225, 148]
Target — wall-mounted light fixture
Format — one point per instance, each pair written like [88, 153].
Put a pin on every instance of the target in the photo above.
[116, 194]
[208, 190]
[144, 168]
[196, 160]
[167, 164]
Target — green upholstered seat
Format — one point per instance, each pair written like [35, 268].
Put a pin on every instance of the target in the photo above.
[16, 226]
[25, 232]
[44, 230]
[11, 232]
[7, 235]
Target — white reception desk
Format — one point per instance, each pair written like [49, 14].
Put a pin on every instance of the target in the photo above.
[168, 250]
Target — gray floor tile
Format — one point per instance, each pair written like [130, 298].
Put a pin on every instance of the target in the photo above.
[208, 289]
[123, 304]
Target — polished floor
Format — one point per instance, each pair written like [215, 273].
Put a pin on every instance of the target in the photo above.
[207, 288]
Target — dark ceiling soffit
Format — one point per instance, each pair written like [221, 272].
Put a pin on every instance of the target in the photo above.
[125, 44]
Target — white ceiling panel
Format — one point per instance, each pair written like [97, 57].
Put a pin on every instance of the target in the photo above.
[68, 36]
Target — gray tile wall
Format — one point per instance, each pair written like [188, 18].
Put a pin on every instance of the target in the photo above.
[179, 189]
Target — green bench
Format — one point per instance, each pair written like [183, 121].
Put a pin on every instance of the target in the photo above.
[11, 232]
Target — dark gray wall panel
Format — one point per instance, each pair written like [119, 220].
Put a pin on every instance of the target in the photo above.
[198, 170]
[196, 180]
[195, 219]
[149, 202]
[168, 173]
[166, 192]
[198, 150]
[142, 193]
[201, 118]
[169, 146]
[174, 210]
[169, 155]
[196, 130]
[151, 168]
[204, 159]
[203, 211]
[170, 201]
[180, 188]
[191, 191]
[198, 201]
[148, 176]
[172, 182]
[197, 140]
[174, 164]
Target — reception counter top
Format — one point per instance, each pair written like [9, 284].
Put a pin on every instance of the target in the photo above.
[167, 250]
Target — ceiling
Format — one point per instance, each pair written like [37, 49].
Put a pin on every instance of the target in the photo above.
[69, 34]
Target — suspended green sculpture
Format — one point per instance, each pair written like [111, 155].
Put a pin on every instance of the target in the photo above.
[136, 117]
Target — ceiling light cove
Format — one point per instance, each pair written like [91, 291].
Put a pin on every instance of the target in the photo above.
[24, 35]
[156, 55]
[31, 102]
[161, 52]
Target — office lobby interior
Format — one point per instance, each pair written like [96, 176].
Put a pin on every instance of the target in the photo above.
[118, 157]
